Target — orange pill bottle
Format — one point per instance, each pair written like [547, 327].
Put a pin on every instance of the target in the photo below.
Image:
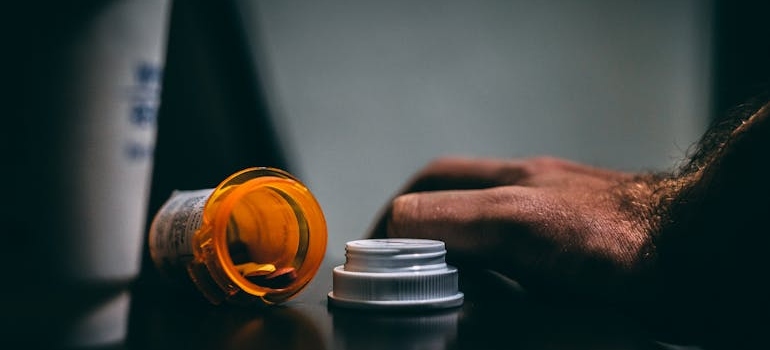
[258, 237]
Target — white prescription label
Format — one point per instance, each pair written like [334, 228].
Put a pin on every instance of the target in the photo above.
[173, 228]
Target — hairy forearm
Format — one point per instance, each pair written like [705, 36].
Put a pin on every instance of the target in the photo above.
[712, 241]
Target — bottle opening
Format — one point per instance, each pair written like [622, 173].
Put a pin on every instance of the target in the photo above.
[267, 238]
[263, 235]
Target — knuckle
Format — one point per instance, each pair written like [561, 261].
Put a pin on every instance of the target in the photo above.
[443, 162]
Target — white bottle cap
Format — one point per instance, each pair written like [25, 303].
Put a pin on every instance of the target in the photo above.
[397, 273]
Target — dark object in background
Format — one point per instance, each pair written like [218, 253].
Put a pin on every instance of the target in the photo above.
[741, 53]
[213, 120]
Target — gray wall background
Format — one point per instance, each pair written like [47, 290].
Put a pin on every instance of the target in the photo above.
[364, 93]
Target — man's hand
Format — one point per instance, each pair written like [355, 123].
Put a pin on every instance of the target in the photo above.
[685, 251]
[555, 226]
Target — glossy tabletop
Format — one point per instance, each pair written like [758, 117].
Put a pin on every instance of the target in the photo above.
[494, 315]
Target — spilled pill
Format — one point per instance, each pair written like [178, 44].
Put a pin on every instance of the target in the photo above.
[280, 278]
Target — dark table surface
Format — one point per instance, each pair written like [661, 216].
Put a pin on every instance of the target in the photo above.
[494, 315]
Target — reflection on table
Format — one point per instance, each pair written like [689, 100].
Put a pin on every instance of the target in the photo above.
[496, 314]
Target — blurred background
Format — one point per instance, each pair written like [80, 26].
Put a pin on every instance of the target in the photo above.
[354, 97]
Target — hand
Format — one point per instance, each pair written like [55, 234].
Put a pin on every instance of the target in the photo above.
[554, 226]
[684, 251]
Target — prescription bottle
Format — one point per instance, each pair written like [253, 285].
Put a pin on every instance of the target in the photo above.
[258, 237]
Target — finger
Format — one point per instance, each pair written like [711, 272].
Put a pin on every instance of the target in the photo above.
[457, 173]
[481, 227]
[444, 174]
[451, 173]
[464, 173]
